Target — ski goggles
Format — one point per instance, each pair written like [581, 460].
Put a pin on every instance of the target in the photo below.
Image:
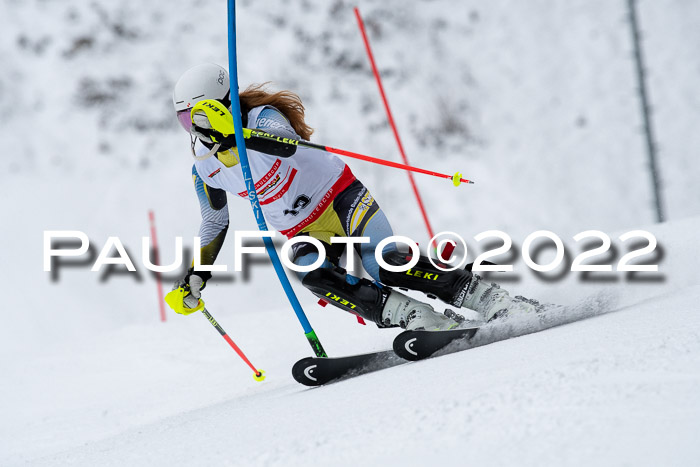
[183, 116]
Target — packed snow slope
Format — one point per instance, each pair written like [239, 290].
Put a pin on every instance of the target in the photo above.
[613, 382]
[535, 101]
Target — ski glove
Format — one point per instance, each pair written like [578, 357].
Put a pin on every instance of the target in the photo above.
[193, 284]
[212, 122]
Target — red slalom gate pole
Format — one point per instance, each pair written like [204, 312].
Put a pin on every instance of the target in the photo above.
[449, 248]
[391, 121]
[159, 283]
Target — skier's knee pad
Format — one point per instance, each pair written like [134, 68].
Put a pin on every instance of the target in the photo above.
[448, 286]
[363, 298]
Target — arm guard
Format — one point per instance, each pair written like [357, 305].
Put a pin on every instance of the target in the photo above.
[215, 220]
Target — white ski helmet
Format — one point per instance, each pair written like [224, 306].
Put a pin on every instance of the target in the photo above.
[205, 81]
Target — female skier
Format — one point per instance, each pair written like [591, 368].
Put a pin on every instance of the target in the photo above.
[306, 193]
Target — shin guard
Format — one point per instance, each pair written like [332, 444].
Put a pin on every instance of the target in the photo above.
[448, 286]
[364, 298]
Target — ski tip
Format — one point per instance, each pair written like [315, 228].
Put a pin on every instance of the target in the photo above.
[419, 344]
[305, 372]
[405, 347]
[259, 375]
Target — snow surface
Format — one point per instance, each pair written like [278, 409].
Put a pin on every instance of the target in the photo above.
[536, 101]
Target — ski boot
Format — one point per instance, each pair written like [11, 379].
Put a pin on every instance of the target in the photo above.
[459, 288]
[410, 314]
[493, 302]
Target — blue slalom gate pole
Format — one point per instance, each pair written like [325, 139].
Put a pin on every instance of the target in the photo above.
[250, 185]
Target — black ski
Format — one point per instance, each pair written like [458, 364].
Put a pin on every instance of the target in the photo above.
[417, 345]
[409, 345]
[315, 371]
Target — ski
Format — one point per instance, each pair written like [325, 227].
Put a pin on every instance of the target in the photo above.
[408, 346]
[316, 371]
[417, 345]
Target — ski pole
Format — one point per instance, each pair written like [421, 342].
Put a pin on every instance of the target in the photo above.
[175, 299]
[250, 133]
[258, 375]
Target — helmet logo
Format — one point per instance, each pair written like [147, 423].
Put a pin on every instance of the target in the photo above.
[222, 75]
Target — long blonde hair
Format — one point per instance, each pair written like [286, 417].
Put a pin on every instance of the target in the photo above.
[286, 102]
